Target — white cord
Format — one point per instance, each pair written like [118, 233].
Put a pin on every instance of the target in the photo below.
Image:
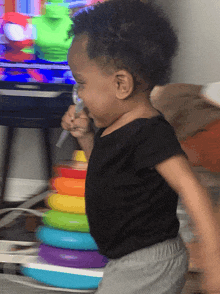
[24, 251]
[10, 217]
[31, 211]
[47, 288]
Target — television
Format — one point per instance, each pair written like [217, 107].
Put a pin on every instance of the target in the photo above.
[34, 45]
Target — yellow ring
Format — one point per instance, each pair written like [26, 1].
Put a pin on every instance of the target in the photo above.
[65, 203]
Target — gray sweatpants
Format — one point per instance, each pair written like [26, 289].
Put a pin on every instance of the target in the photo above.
[159, 269]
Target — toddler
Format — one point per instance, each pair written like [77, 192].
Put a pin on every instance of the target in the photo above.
[137, 169]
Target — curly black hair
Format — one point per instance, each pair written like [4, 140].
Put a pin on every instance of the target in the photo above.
[130, 35]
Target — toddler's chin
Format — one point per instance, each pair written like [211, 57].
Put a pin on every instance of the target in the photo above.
[98, 124]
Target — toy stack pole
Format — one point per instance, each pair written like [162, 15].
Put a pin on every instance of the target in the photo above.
[65, 237]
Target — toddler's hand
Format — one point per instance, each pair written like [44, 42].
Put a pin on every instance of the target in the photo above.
[78, 126]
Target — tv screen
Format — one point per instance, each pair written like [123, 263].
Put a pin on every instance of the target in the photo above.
[34, 40]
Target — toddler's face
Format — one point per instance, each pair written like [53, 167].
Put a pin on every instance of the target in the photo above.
[95, 88]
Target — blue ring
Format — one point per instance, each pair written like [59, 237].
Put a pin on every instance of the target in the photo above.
[62, 280]
[65, 239]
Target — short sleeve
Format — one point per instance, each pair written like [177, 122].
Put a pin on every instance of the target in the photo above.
[157, 142]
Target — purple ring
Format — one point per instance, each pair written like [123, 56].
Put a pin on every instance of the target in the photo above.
[72, 258]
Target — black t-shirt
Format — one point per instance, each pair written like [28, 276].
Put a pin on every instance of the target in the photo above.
[129, 205]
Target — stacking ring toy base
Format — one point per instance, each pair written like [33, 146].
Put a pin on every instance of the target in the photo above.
[66, 221]
[72, 258]
[65, 203]
[64, 239]
[62, 277]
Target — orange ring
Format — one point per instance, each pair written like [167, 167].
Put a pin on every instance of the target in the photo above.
[70, 186]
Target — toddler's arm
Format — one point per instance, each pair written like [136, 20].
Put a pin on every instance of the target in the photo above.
[79, 127]
[181, 178]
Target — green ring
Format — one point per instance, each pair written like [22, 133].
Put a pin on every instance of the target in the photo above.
[66, 221]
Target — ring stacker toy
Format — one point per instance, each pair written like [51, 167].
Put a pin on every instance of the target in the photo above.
[70, 186]
[72, 258]
[50, 193]
[51, 184]
[76, 169]
[63, 277]
[69, 172]
[66, 221]
[66, 203]
[79, 160]
[79, 107]
[65, 239]
[67, 186]
[79, 156]
[68, 256]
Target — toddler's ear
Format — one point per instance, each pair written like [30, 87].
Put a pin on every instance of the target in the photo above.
[124, 84]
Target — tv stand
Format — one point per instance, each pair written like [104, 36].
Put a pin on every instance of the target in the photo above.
[31, 106]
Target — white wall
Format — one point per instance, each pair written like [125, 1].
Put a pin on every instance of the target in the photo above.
[198, 26]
